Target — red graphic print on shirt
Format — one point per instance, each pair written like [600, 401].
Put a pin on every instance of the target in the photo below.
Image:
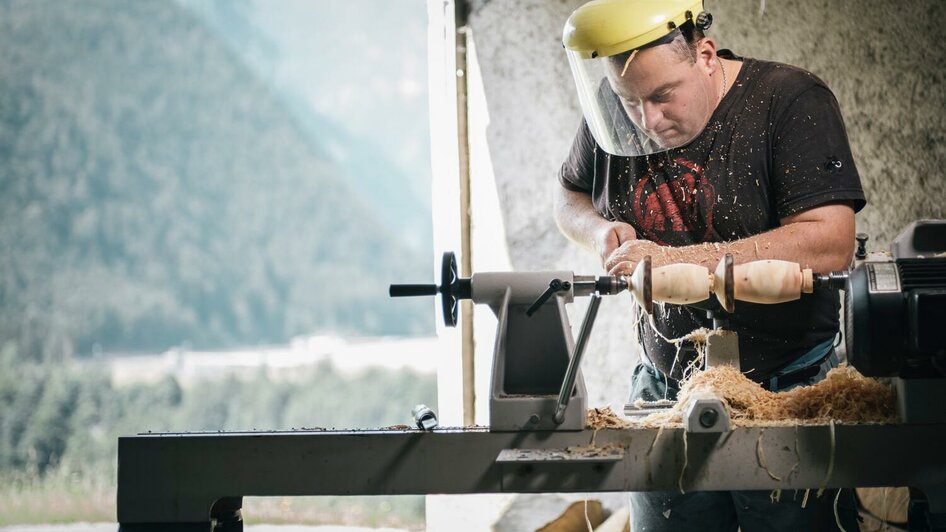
[665, 204]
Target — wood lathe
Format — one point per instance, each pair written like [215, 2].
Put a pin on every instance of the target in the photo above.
[537, 440]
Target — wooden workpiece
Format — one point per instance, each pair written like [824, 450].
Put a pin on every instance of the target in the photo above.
[681, 283]
[770, 281]
[762, 281]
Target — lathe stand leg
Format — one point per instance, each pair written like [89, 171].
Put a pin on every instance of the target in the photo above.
[925, 510]
[171, 527]
[226, 516]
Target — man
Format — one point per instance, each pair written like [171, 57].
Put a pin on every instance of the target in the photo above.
[687, 153]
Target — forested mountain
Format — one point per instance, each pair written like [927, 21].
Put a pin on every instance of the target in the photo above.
[154, 192]
[353, 72]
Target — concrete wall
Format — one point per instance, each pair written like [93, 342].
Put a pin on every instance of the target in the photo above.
[886, 67]
[889, 74]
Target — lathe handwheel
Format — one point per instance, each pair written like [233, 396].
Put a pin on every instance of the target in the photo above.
[452, 289]
[449, 285]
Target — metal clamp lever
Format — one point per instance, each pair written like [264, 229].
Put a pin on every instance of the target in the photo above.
[555, 285]
[572, 372]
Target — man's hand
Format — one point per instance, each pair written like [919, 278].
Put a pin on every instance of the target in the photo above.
[624, 259]
[576, 216]
[611, 236]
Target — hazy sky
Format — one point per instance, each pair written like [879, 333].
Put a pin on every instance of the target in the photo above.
[361, 63]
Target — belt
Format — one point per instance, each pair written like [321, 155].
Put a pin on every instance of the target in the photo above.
[802, 368]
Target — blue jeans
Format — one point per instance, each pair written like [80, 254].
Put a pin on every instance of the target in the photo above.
[748, 511]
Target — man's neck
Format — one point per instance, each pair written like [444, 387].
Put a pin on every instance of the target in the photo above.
[732, 68]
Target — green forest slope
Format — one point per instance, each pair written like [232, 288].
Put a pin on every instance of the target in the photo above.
[154, 193]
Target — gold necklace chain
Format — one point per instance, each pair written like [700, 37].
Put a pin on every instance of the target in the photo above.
[722, 69]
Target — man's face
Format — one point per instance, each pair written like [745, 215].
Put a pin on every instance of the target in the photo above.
[668, 97]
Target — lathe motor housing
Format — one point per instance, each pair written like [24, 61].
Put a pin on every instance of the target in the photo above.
[895, 308]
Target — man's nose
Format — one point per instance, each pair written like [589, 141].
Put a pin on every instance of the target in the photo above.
[650, 115]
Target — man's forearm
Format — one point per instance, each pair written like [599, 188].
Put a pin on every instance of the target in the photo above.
[579, 220]
[821, 239]
[576, 217]
[784, 243]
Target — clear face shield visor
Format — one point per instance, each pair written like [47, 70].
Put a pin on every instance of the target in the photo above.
[643, 101]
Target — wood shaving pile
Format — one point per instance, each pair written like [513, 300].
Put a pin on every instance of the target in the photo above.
[844, 396]
[605, 418]
[592, 450]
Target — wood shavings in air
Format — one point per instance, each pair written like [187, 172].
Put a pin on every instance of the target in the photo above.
[628, 62]
[827, 477]
[760, 457]
[844, 396]
[683, 470]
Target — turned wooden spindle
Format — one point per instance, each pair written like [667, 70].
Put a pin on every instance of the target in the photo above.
[681, 283]
[770, 281]
[762, 281]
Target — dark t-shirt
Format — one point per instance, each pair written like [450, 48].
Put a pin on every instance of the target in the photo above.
[775, 146]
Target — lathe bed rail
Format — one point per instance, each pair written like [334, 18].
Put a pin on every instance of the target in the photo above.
[174, 479]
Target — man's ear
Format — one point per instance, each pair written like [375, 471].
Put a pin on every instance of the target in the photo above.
[706, 55]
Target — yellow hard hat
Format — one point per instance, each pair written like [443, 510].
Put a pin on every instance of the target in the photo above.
[595, 37]
[602, 28]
